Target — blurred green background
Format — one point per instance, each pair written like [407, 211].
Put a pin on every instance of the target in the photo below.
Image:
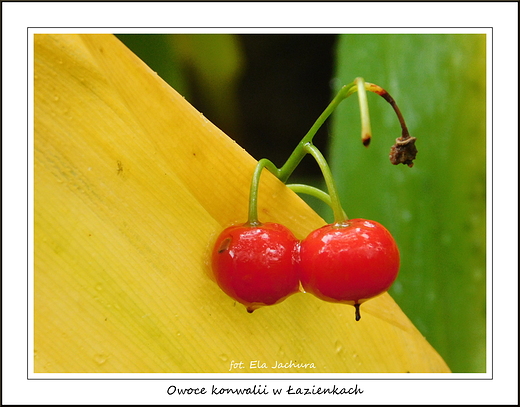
[265, 91]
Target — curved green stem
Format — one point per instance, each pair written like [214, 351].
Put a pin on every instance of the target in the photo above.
[297, 155]
[313, 191]
[305, 146]
[253, 194]
[339, 214]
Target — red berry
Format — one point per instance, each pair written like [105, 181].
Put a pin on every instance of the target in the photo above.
[256, 265]
[349, 263]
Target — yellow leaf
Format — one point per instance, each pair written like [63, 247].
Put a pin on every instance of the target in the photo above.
[132, 185]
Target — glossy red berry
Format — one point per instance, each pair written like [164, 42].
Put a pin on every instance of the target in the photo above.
[349, 263]
[256, 265]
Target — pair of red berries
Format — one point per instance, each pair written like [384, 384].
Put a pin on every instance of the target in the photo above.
[263, 264]
[348, 261]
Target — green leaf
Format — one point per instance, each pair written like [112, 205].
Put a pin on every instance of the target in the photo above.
[437, 209]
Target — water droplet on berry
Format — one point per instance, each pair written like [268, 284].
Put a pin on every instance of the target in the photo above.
[300, 288]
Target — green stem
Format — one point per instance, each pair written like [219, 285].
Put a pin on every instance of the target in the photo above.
[299, 152]
[305, 146]
[297, 155]
[313, 191]
[253, 194]
[339, 215]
